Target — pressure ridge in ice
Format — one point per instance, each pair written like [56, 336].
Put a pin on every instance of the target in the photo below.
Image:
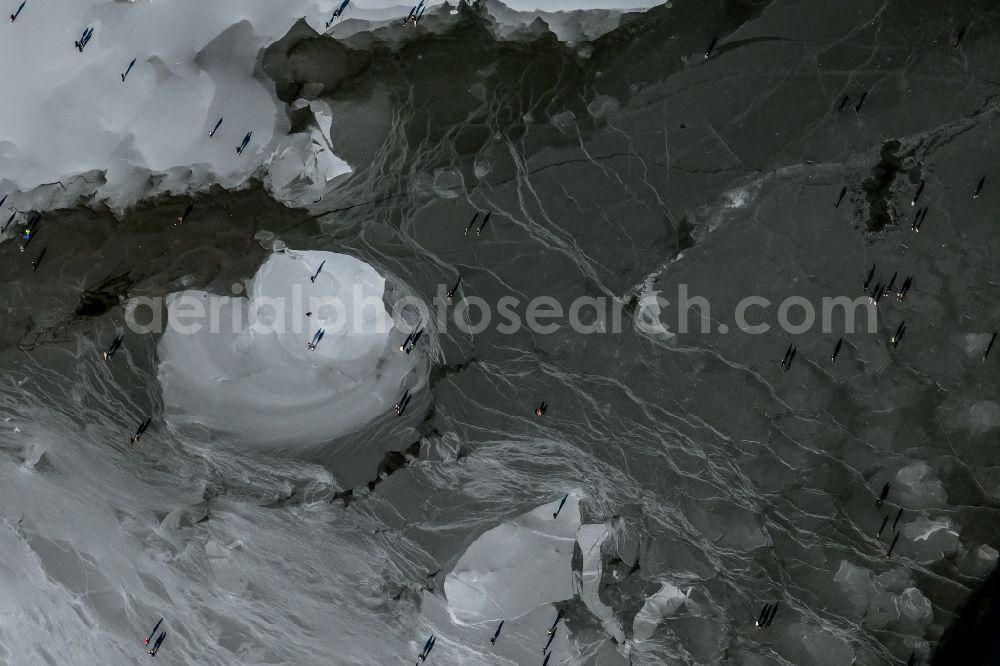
[241, 365]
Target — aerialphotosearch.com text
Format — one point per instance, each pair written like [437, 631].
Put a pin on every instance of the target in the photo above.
[357, 313]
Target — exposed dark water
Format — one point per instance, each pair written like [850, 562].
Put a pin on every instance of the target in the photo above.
[612, 168]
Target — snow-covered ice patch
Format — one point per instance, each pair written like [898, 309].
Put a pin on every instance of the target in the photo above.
[649, 311]
[984, 416]
[728, 206]
[915, 607]
[243, 365]
[664, 603]
[930, 539]
[520, 640]
[591, 538]
[303, 165]
[516, 567]
[979, 562]
[887, 601]
[919, 486]
[856, 583]
[738, 198]
[603, 106]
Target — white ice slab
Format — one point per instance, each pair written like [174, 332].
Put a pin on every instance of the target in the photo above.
[520, 642]
[257, 379]
[516, 567]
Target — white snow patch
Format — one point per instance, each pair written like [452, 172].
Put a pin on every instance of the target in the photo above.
[923, 528]
[520, 639]
[255, 377]
[649, 311]
[738, 198]
[516, 567]
[930, 539]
